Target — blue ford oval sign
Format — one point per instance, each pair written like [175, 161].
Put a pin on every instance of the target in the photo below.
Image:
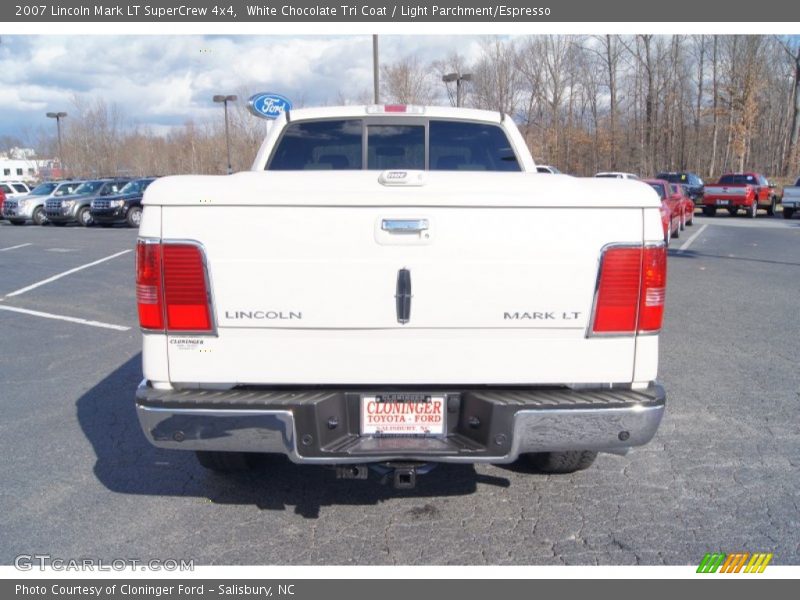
[268, 106]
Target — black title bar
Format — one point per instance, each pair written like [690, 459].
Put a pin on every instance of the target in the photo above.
[382, 11]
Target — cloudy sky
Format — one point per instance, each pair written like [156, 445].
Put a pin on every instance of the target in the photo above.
[161, 81]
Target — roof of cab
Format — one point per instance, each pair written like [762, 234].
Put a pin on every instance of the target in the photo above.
[374, 110]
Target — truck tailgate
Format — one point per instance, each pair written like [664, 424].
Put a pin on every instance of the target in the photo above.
[307, 294]
[725, 192]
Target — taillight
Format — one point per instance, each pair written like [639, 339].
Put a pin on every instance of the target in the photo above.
[149, 296]
[654, 289]
[631, 290]
[185, 293]
[171, 288]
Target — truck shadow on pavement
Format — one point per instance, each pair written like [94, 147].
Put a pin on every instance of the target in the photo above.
[126, 463]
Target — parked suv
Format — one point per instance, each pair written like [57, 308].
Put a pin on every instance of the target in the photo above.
[11, 189]
[125, 207]
[14, 188]
[30, 207]
[61, 211]
[691, 181]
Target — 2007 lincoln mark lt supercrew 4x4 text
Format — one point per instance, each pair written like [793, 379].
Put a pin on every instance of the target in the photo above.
[394, 287]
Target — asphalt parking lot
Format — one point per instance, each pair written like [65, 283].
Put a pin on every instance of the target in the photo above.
[78, 478]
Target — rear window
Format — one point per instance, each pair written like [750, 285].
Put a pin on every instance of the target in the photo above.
[6, 189]
[338, 144]
[737, 179]
[395, 147]
[659, 187]
[460, 146]
[673, 177]
[20, 188]
[319, 145]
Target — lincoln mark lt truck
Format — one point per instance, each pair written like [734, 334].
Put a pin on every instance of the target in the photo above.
[392, 287]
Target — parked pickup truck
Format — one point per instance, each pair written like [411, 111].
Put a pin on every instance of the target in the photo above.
[791, 200]
[391, 287]
[734, 191]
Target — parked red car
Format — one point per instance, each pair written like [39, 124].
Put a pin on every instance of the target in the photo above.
[672, 207]
[733, 191]
[2, 200]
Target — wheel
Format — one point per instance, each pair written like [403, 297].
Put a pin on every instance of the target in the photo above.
[224, 462]
[732, 211]
[561, 462]
[677, 233]
[85, 217]
[39, 218]
[17, 221]
[690, 222]
[134, 217]
[753, 210]
[683, 221]
[709, 211]
[771, 208]
[787, 213]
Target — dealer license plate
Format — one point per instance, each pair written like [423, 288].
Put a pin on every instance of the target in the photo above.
[402, 414]
[723, 202]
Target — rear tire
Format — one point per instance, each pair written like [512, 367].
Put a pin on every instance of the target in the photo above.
[709, 211]
[134, 217]
[562, 462]
[677, 233]
[683, 221]
[787, 213]
[224, 462]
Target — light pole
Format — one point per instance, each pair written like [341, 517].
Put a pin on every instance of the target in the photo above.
[225, 100]
[58, 116]
[375, 71]
[458, 78]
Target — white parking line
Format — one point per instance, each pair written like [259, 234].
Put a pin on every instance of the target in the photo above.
[14, 247]
[64, 274]
[693, 237]
[45, 315]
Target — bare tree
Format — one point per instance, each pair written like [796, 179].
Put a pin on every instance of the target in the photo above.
[791, 47]
[407, 81]
[496, 81]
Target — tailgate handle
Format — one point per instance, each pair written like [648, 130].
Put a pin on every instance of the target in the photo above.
[404, 225]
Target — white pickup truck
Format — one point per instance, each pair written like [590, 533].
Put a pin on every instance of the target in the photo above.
[394, 287]
[791, 200]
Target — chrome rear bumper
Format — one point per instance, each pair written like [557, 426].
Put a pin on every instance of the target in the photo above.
[297, 423]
